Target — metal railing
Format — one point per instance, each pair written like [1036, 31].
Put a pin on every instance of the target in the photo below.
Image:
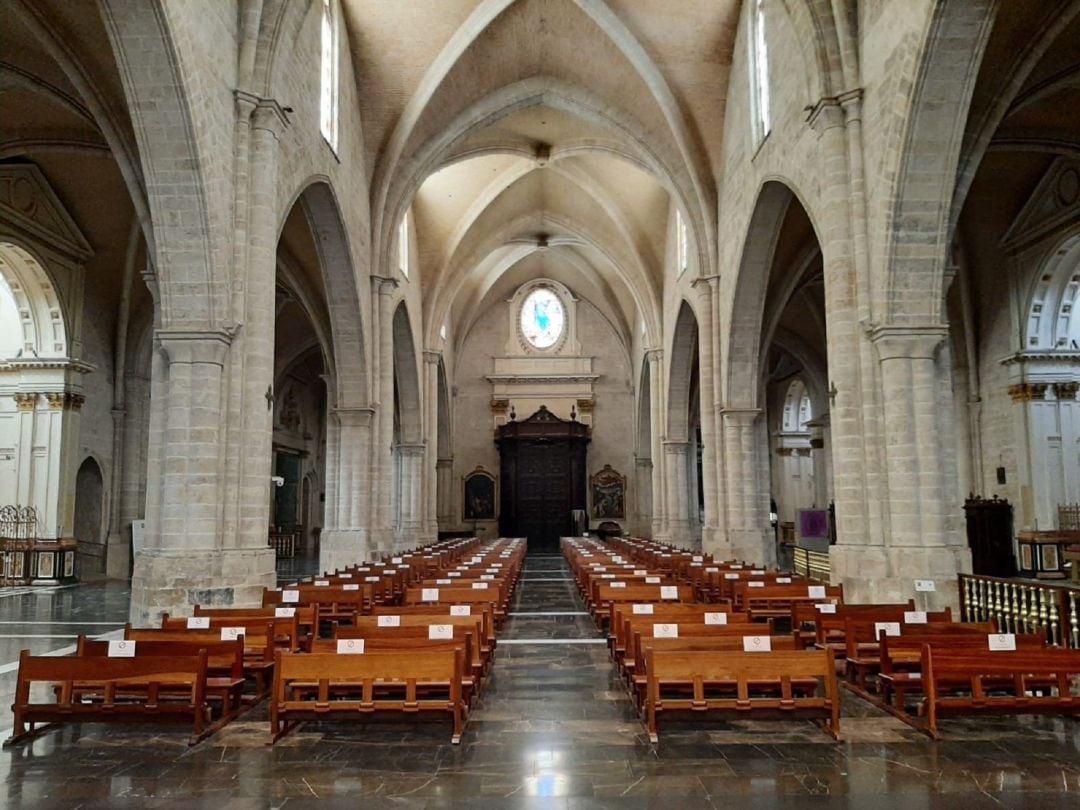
[1020, 606]
[811, 564]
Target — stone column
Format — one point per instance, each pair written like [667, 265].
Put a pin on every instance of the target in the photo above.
[252, 358]
[677, 489]
[925, 541]
[747, 521]
[445, 473]
[643, 483]
[706, 342]
[656, 370]
[185, 561]
[382, 463]
[345, 537]
[430, 528]
[410, 462]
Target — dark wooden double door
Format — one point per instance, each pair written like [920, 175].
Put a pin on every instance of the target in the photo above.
[542, 482]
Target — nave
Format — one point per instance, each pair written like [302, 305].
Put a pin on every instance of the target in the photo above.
[553, 728]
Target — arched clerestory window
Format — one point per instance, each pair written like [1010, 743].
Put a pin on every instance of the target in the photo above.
[330, 37]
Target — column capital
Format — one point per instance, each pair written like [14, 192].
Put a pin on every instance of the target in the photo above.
[1028, 392]
[916, 342]
[1066, 390]
[431, 357]
[270, 116]
[195, 347]
[826, 114]
[383, 285]
[676, 446]
[353, 417]
[410, 448]
[654, 355]
[703, 285]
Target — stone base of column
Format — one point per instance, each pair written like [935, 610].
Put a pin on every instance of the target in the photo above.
[381, 543]
[755, 546]
[174, 581]
[118, 556]
[340, 548]
[888, 573]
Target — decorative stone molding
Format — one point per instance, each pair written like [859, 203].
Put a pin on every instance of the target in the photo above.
[1027, 392]
[65, 401]
[586, 406]
[25, 401]
[918, 342]
[1065, 391]
[195, 347]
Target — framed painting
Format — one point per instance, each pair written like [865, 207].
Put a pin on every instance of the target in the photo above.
[479, 495]
[608, 490]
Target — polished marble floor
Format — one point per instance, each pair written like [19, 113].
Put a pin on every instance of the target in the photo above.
[552, 730]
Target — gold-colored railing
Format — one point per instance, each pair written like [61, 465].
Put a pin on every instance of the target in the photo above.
[1023, 607]
[811, 564]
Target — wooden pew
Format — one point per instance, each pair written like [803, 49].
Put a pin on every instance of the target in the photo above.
[463, 629]
[830, 627]
[622, 615]
[725, 681]
[458, 596]
[638, 631]
[862, 646]
[1027, 670]
[224, 671]
[170, 689]
[484, 612]
[305, 617]
[775, 601]
[901, 657]
[258, 648]
[341, 687]
[804, 617]
[638, 682]
[640, 594]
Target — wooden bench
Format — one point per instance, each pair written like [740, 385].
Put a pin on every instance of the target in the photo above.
[1026, 672]
[622, 613]
[725, 682]
[483, 612]
[830, 627]
[775, 601]
[463, 629]
[332, 686]
[901, 657]
[641, 594]
[224, 671]
[638, 682]
[862, 645]
[259, 648]
[804, 616]
[141, 689]
[638, 631]
[458, 596]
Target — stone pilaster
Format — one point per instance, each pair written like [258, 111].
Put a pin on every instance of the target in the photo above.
[430, 527]
[924, 538]
[654, 358]
[749, 536]
[677, 487]
[707, 340]
[409, 461]
[345, 537]
[382, 517]
[187, 559]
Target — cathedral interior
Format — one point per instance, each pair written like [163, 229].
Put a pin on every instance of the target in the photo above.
[705, 289]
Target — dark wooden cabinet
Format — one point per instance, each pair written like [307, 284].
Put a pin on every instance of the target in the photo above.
[542, 477]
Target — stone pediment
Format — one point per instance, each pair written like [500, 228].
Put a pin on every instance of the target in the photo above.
[1055, 201]
[28, 202]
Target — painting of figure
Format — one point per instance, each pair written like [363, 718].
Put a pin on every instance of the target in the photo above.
[479, 492]
[608, 494]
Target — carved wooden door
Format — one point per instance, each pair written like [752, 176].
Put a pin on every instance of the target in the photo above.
[543, 493]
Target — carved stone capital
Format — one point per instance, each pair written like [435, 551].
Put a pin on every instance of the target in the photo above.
[65, 401]
[1028, 392]
[919, 342]
[1066, 391]
[25, 401]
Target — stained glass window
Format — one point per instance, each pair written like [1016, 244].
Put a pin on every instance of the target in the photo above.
[543, 318]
